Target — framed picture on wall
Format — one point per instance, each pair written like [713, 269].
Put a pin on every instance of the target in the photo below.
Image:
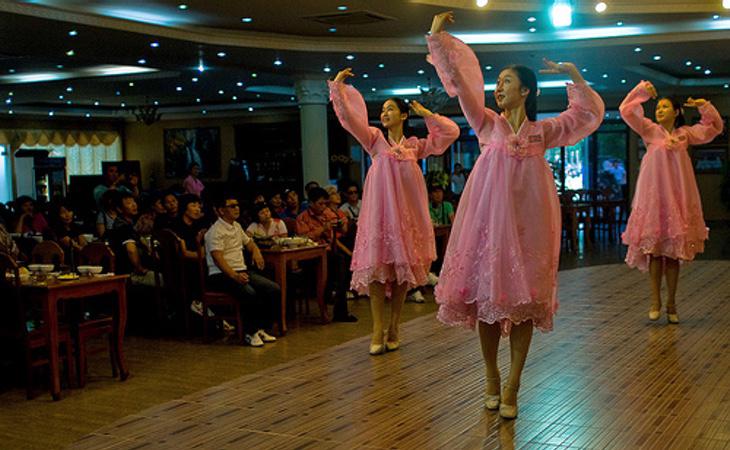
[709, 159]
[184, 146]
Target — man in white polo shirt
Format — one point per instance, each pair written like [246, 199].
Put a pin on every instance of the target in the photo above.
[227, 272]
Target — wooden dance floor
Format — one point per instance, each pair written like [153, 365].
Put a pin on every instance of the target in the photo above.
[607, 377]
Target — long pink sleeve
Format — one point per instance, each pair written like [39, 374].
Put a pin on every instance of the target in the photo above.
[442, 132]
[708, 128]
[583, 116]
[632, 111]
[352, 112]
[458, 68]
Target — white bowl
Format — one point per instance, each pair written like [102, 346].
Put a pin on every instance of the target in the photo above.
[45, 268]
[90, 269]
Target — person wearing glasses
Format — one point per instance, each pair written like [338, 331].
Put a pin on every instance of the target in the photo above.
[228, 272]
[352, 204]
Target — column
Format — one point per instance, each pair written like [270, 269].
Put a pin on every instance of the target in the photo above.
[313, 96]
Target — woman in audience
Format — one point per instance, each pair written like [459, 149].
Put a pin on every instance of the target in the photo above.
[192, 184]
[501, 263]
[64, 229]
[292, 207]
[277, 205]
[108, 215]
[27, 220]
[265, 226]
[151, 208]
[167, 220]
[394, 246]
[666, 223]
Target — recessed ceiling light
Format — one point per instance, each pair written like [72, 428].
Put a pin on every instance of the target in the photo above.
[488, 67]
[254, 75]
[182, 6]
[342, 8]
[584, 70]
[620, 23]
[532, 29]
[623, 81]
[11, 70]
[154, 44]
[327, 69]
[373, 89]
[239, 84]
[194, 79]
[11, 93]
[142, 61]
[8, 101]
[381, 66]
[73, 33]
[688, 63]
[221, 92]
[179, 88]
[201, 66]
[277, 62]
[292, 98]
[70, 53]
[656, 57]
[59, 66]
[605, 75]
[726, 85]
[715, 17]
[482, 3]
[205, 111]
[131, 84]
[332, 30]
[155, 103]
[708, 72]
[698, 67]
[51, 113]
[60, 97]
[197, 100]
[96, 103]
[726, 4]
[117, 93]
[365, 75]
[69, 89]
[561, 13]
[234, 98]
[250, 108]
[601, 7]
[258, 95]
[10, 111]
[637, 49]
[247, 19]
[531, 19]
[123, 105]
[350, 57]
[68, 102]
[87, 115]
[221, 54]
[421, 71]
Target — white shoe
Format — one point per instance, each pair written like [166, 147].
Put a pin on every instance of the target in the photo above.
[253, 340]
[266, 337]
[417, 297]
[227, 327]
[433, 279]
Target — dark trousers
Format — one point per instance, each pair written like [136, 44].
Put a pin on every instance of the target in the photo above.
[338, 280]
[259, 299]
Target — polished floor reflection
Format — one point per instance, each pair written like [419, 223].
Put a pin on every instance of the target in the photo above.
[605, 378]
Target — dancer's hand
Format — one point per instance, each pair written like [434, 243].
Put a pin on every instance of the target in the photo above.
[553, 68]
[440, 20]
[650, 89]
[419, 109]
[694, 102]
[343, 74]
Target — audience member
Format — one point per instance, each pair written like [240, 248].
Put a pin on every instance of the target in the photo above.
[27, 219]
[131, 257]
[112, 180]
[167, 220]
[151, 209]
[277, 205]
[189, 224]
[192, 184]
[352, 204]
[107, 214]
[458, 180]
[64, 230]
[442, 212]
[265, 226]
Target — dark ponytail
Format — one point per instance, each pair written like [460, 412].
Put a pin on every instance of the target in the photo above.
[677, 107]
[528, 80]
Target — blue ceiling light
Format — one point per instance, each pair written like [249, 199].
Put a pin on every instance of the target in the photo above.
[247, 19]
[531, 19]
[73, 33]
[620, 23]
[332, 30]
[532, 29]
[142, 61]
[277, 62]
[350, 57]
[342, 8]
[657, 57]
[561, 13]
[154, 44]
[637, 49]
[221, 54]
[182, 6]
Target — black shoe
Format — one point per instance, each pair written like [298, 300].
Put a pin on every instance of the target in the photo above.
[348, 318]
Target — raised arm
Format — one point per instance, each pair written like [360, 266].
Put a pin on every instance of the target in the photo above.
[352, 112]
[710, 124]
[458, 68]
[631, 108]
[442, 132]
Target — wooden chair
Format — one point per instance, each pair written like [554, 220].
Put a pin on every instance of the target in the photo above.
[94, 254]
[168, 252]
[216, 299]
[14, 326]
[47, 252]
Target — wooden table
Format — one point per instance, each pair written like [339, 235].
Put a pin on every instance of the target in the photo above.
[53, 291]
[280, 257]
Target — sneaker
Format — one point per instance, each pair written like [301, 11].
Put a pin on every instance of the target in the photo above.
[416, 297]
[266, 337]
[253, 340]
[433, 279]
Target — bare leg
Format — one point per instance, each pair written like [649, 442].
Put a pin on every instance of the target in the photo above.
[489, 339]
[396, 306]
[672, 274]
[377, 308]
[655, 271]
[519, 340]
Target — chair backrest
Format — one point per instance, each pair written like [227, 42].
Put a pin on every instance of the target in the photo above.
[12, 322]
[98, 254]
[168, 252]
[47, 252]
[202, 266]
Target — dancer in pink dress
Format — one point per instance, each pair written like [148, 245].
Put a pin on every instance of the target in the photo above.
[500, 268]
[394, 245]
[666, 223]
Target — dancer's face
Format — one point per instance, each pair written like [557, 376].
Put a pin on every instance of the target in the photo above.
[665, 112]
[391, 116]
[510, 93]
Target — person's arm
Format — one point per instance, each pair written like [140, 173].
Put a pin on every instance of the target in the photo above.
[134, 258]
[442, 132]
[220, 261]
[450, 212]
[351, 111]
[632, 110]
[315, 232]
[585, 109]
[19, 223]
[256, 256]
[710, 124]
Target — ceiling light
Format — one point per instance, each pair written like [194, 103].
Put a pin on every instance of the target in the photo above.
[656, 57]
[87, 115]
[277, 62]
[197, 100]
[708, 72]
[561, 13]
[11, 93]
[73, 33]
[142, 61]
[51, 113]
[726, 4]
[688, 63]
[726, 85]
[482, 3]
[96, 103]
[68, 102]
[131, 84]
[327, 69]
[205, 111]
[10, 111]
[250, 108]
[605, 75]
[488, 67]
[332, 30]
[179, 88]
[155, 103]
[292, 98]
[421, 71]
[70, 53]
[194, 79]
[69, 89]
[373, 89]
[154, 44]
[60, 97]
[350, 57]
[201, 66]
[117, 93]
[246, 19]
[342, 8]
[221, 54]
[532, 29]
[698, 67]
[620, 23]
[221, 92]
[637, 49]
[59, 66]
[234, 98]
[258, 95]
[623, 81]
[239, 84]
[601, 7]
[715, 17]
[254, 75]
[365, 75]
[123, 105]
[182, 6]
[8, 101]
[531, 19]
[584, 70]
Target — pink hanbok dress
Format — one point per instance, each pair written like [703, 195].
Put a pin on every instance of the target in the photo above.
[395, 240]
[666, 213]
[502, 259]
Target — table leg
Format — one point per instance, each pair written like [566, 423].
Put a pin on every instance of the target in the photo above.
[51, 319]
[120, 323]
[281, 281]
[321, 286]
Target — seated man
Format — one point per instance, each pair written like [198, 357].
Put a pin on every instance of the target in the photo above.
[131, 257]
[167, 220]
[259, 297]
[318, 223]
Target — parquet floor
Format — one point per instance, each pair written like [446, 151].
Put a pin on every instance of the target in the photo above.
[607, 377]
